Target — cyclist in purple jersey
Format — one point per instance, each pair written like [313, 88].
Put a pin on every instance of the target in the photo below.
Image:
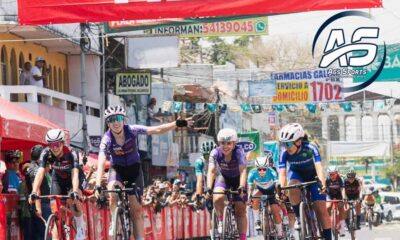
[120, 142]
[227, 166]
[304, 165]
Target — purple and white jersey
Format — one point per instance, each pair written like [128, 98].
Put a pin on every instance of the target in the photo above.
[126, 154]
[228, 168]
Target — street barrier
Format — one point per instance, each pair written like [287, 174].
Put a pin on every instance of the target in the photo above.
[171, 223]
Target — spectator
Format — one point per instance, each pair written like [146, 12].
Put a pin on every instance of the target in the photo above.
[38, 78]
[43, 206]
[25, 216]
[26, 74]
[11, 180]
[2, 173]
[151, 111]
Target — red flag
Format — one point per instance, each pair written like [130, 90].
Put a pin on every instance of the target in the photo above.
[73, 11]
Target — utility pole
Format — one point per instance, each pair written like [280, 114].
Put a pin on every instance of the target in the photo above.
[216, 114]
[85, 46]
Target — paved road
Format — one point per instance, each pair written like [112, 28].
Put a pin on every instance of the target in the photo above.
[387, 231]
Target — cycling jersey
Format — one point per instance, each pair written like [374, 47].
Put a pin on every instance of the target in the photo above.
[200, 167]
[128, 153]
[62, 167]
[302, 166]
[334, 188]
[352, 189]
[228, 168]
[267, 182]
[303, 161]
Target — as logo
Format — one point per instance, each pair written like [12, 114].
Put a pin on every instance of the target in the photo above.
[358, 51]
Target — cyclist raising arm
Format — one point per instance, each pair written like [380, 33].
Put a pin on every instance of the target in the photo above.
[120, 141]
[304, 165]
[228, 160]
[65, 175]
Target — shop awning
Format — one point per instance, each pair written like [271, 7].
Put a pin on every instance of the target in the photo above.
[21, 129]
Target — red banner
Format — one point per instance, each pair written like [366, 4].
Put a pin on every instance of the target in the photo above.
[73, 11]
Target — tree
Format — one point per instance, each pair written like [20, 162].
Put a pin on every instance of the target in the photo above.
[220, 51]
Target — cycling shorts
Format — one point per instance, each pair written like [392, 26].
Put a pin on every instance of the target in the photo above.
[60, 186]
[259, 192]
[229, 183]
[302, 177]
[131, 173]
[353, 197]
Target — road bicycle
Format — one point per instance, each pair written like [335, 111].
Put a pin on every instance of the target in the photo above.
[122, 223]
[335, 218]
[229, 224]
[60, 224]
[310, 229]
[352, 224]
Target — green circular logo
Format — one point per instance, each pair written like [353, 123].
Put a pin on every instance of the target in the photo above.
[261, 26]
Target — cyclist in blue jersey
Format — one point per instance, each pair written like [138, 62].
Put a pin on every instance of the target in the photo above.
[263, 180]
[227, 166]
[201, 166]
[299, 162]
[120, 142]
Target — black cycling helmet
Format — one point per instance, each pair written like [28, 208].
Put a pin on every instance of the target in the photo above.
[35, 152]
[351, 174]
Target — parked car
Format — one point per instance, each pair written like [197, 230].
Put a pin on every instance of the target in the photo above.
[391, 205]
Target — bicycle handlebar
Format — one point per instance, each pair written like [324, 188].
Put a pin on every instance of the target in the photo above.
[62, 197]
[299, 185]
[118, 189]
[225, 192]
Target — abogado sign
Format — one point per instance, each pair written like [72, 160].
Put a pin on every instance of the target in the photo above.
[133, 83]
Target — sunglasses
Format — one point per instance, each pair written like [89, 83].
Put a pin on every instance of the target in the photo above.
[55, 145]
[288, 144]
[262, 169]
[117, 118]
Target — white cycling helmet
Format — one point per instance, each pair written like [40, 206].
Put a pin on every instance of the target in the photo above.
[114, 110]
[332, 169]
[291, 132]
[261, 162]
[227, 135]
[55, 135]
[207, 147]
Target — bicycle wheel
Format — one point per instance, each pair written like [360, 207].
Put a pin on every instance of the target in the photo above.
[352, 227]
[370, 216]
[266, 225]
[304, 222]
[214, 224]
[51, 228]
[119, 231]
[227, 231]
[334, 224]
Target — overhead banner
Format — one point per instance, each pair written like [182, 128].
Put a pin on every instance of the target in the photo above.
[307, 86]
[391, 70]
[134, 25]
[135, 83]
[250, 142]
[76, 11]
[262, 88]
[241, 27]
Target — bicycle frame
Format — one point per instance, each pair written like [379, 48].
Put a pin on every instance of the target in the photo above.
[63, 216]
[334, 217]
[352, 224]
[310, 217]
[268, 224]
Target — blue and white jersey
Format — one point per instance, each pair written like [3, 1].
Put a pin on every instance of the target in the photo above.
[266, 182]
[303, 161]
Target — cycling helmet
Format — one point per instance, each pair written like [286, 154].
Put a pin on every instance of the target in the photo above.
[351, 174]
[35, 152]
[227, 135]
[207, 147]
[114, 110]
[55, 135]
[332, 169]
[261, 162]
[291, 132]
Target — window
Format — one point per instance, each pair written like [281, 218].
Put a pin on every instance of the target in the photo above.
[3, 65]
